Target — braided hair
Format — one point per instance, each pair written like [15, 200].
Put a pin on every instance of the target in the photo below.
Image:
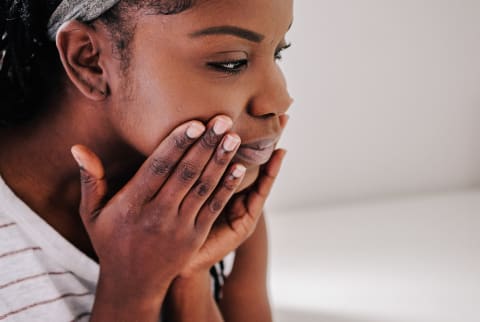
[27, 58]
[30, 67]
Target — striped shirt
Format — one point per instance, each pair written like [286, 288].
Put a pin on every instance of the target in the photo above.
[43, 277]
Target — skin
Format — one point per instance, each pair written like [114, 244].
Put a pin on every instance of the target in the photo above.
[136, 118]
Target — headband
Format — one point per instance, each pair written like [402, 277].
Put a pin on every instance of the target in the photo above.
[82, 10]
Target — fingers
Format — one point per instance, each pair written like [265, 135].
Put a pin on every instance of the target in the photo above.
[212, 174]
[257, 197]
[195, 161]
[158, 167]
[245, 209]
[212, 208]
[92, 180]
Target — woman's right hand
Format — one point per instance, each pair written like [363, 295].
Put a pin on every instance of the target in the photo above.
[147, 232]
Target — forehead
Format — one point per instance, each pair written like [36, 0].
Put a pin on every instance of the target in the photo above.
[268, 17]
[264, 14]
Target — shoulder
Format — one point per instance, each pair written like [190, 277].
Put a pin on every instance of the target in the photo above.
[33, 285]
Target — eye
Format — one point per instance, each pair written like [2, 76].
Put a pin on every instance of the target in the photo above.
[229, 67]
[278, 52]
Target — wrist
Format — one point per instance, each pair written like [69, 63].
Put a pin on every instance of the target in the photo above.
[186, 282]
[190, 298]
[118, 300]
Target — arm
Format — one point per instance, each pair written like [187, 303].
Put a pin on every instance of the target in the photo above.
[191, 299]
[152, 228]
[245, 290]
[244, 295]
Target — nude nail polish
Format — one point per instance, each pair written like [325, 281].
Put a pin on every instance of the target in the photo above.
[221, 126]
[231, 142]
[195, 130]
[239, 171]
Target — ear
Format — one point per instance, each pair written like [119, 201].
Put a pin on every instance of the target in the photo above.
[79, 47]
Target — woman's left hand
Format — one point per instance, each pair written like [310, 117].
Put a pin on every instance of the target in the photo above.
[240, 216]
[239, 219]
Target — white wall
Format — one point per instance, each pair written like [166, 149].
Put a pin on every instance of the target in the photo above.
[387, 100]
[409, 260]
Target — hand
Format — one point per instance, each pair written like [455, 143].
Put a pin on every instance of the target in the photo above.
[147, 232]
[240, 217]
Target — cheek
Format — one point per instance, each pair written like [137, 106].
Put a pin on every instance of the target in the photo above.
[161, 96]
[153, 109]
[162, 106]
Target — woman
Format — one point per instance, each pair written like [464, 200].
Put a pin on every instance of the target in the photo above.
[172, 110]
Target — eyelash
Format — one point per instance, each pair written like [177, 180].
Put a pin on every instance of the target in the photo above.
[278, 53]
[230, 67]
[236, 66]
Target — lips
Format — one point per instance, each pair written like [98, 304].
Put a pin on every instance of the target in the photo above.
[256, 153]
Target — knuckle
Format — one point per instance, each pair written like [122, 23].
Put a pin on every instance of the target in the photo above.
[230, 185]
[86, 178]
[203, 188]
[221, 158]
[187, 171]
[215, 205]
[155, 220]
[182, 142]
[129, 210]
[160, 166]
[152, 224]
[124, 219]
[209, 140]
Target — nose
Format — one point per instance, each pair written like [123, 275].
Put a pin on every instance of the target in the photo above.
[272, 97]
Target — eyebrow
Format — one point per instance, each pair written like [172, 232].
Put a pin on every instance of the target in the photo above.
[229, 30]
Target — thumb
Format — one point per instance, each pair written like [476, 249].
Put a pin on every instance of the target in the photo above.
[93, 183]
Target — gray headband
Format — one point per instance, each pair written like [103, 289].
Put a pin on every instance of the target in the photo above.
[82, 10]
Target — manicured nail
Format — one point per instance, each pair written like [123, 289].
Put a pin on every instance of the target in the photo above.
[239, 171]
[195, 130]
[231, 142]
[221, 126]
[77, 157]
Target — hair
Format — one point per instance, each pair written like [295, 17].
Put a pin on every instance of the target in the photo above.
[30, 67]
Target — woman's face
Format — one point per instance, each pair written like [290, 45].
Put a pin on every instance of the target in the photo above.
[217, 58]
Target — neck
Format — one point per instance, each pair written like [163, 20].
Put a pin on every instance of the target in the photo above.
[37, 164]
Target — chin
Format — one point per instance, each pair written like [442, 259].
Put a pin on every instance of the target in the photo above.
[249, 179]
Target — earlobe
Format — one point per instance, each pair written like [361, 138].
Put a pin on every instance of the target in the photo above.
[80, 53]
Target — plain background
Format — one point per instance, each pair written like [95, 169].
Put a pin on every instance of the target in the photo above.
[387, 100]
[375, 216]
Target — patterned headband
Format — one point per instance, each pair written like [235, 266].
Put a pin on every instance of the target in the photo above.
[82, 10]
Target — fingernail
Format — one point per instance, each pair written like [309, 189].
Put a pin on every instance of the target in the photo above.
[76, 156]
[231, 142]
[195, 130]
[221, 126]
[239, 171]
